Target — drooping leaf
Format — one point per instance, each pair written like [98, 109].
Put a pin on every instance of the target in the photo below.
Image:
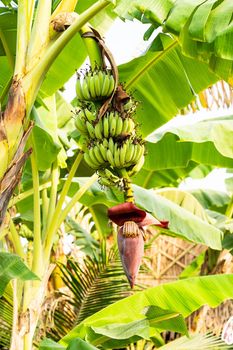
[12, 267]
[198, 291]
[184, 200]
[46, 150]
[212, 200]
[182, 223]
[217, 130]
[163, 81]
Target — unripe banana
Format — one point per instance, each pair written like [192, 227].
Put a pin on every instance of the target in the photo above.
[105, 143]
[98, 130]
[98, 154]
[97, 84]
[89, 161]
[79, 90]
[119, 125]
[89, 115]
[111, 145]
[93, 157]
[137, 167]
[110, 175]
[103, 151]
[92, 87]
[111, 86]
[123, 150]
[110, 158]
[125, 126]
[106, 84]
[101, 76]
[81, 126]
[106, 127]
[112, 126]
[129, 153]
[91, 130]
[131, 126]
[85, 91]
[117, 158]
[105, 182]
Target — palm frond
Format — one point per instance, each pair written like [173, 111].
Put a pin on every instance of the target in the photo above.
[197, 342]
[94, 284]
[6, 316]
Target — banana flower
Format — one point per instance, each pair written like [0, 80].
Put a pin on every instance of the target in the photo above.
[131, 220]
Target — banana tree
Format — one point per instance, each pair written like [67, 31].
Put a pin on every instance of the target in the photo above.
[46, 34]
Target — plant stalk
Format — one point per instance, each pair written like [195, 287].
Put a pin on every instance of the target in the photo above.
[37, 244]
[53, 192]
[93, 49]
[50, 232]
[65, 212]
[15, 238]
[33, 79]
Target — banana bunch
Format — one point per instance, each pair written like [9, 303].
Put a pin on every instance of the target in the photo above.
[118, 156]
[84, 120]
[113, 125]
[109, 178]
[95, 85]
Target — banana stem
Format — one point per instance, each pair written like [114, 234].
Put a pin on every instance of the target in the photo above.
[129, 195]
[37, 244]
[33, 79]
[15, 238]
[93, 49]
[51, 229]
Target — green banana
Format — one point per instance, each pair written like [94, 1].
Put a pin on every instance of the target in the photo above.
[89, 161]
[129, 153]
[90, 130]
[98, 154]
[137, 167]
[125, 126]
[81, 126]
[106, 127]
[111, 145]
[131, 126]
[97, 85]
[111, 85]
[105, 182]
[92, 87]
[98, 130]
[117, 158]
[93, 157]
[119, 125]
[110, 158]
[105, 86]
[105, 143]
[112, 126]
[103, 151]
[123, 150]
[89, 115]
[101, 75]
[79, 90]
[85, 91]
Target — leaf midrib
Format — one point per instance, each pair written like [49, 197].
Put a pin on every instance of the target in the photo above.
[149, 64]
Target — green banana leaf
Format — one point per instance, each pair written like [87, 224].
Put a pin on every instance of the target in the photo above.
[163, 81]
[216, 130]
[185, 200]
[197, 291]
[182, 223]
[202, 28]
[12, 267]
